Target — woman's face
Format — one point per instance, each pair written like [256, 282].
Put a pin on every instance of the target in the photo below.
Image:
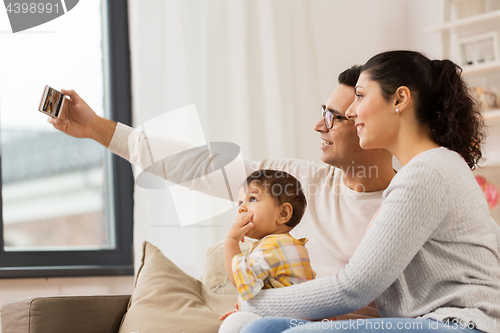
[374, 116]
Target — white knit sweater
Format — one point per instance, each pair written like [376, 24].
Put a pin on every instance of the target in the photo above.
[433, 251]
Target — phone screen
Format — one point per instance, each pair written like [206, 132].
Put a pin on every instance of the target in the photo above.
[52, 102]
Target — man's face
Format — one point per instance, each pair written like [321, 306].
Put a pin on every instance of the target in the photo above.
[340, 144]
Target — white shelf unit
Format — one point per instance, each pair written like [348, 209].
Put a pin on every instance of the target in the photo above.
[492, 115]
[472, 22]
[486, 75]
[482, 68]
[452, 30]
[489, 163]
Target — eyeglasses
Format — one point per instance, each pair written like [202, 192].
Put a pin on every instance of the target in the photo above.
[330, 117]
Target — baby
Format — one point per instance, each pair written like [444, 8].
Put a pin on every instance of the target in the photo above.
[271, 203]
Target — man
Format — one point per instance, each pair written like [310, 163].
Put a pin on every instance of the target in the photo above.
[342, 194]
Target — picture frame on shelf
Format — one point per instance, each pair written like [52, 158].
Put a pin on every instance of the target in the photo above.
[478, 50]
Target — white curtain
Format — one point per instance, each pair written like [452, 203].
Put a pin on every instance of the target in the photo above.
[257, 71]
[241, 63]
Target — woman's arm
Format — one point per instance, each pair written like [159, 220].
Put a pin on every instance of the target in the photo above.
[413, 207]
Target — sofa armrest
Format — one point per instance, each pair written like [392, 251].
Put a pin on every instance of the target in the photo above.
[58, 314]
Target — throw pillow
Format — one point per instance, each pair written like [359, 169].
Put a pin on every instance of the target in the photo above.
[165, 299]
[214, 277]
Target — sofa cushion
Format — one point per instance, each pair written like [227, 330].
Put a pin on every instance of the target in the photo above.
[165, 299]
[214, 276]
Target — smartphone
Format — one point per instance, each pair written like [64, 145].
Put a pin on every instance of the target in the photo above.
[52, 102]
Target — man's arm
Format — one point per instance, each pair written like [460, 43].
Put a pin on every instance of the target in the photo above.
[103, 131]
[79, 120]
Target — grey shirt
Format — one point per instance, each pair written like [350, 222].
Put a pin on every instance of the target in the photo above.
[433, 251]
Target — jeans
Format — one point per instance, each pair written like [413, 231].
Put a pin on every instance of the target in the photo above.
[373, 325]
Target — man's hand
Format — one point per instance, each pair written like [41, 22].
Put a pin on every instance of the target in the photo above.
[239, 228]
[79, 120]
[225, 315]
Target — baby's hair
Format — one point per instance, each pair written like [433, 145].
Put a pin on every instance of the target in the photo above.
[284, 188]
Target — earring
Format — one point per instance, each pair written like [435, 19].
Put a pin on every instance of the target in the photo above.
[397, 110]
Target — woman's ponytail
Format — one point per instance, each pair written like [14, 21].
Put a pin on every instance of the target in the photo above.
[458, 123]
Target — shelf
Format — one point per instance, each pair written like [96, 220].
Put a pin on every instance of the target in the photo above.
[455, 32]
[489, 163]
[480, 69]
[490, 16]
[491, 114]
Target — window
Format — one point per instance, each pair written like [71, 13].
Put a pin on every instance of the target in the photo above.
[66, 203]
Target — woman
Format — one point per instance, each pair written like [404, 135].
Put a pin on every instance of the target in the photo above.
[431, 256]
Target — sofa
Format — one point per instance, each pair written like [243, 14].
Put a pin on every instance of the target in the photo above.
[58, 314]
[164, 299]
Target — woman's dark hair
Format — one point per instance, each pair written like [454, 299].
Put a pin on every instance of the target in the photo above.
[284, 188]
[444, 103]
[350, 76]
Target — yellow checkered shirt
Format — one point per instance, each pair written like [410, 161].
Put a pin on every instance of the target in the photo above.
[275, 261]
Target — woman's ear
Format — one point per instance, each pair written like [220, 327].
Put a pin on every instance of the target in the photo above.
[402, 98]
[285, 213]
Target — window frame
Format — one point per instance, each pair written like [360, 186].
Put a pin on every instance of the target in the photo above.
[117, 261]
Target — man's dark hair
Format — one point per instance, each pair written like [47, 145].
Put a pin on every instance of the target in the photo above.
[284, 188]
[350, 76]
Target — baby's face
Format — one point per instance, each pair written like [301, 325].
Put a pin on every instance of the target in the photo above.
[264, 207]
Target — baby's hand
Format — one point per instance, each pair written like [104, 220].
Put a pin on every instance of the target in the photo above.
[225, 315]
[239, 228]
